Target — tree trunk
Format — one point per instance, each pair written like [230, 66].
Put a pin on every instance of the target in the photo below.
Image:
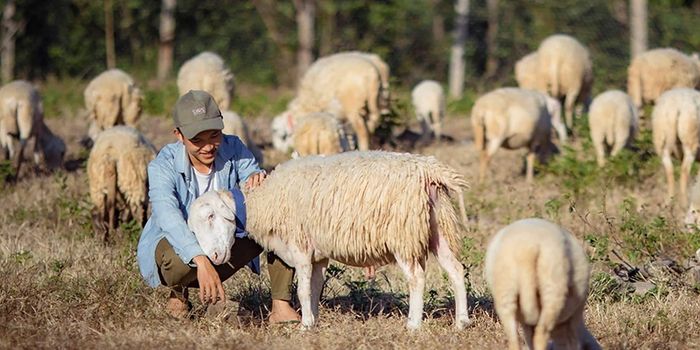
[638, 26]
[491, 38]
[438, 25]
[10, 27]
[166, 39]
[109, 34]
[306, 10]
[285, 59]
[457, 63]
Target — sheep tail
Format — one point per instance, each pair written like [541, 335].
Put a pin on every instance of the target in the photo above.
[528, 290]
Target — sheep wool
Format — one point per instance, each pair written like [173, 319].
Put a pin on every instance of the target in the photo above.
[428, 98]
[613, 122]
[319, 134]
[538, 275]
[527, 72]
[112, 98]
[207, 72]
[234, 125]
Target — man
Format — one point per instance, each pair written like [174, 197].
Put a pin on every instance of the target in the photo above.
[202, 160]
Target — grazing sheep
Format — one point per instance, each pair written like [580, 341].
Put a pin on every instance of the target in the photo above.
[384, 72]
[282, 127]
[428, 99]
[22, 118]
[656, 71]
[613, 123]
[112, 98]
[117, 176]
[361, 209]
[566, 69]
[538, 275]
[319, 134]
[527, 73]
[234, 125]
[347, 86]
[692, 216]
[512, 118]
[207, 72]
[676, 121]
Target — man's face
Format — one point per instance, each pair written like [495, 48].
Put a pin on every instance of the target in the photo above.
[202, 148]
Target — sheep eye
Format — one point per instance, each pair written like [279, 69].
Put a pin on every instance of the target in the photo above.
[210, 217]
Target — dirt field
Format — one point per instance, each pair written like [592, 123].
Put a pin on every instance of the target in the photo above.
[61, 288]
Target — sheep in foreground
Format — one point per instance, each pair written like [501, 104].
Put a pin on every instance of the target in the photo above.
[112, 98]
[117, 176]
[676, 121]
[234, 125]
[538, 275]
[347, 86]
[613, 123]
[22, 117]
[656, 71]
[428, 99]
[361, 209]
[566, 69]
[207, 72]
[512, 118]
[527, 73]
[319, 134]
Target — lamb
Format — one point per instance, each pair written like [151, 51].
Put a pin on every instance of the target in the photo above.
[566, 69]
[513, 118]
[656, 71]
[538, 275]
[347, 86]
[112, 98]
[676, 120]
[207, 72]
[527, 73]
[22, 117]
[117, 176]
[234, 125]
[361, 209]
[428, 99]
[613, 122]
[319, 134]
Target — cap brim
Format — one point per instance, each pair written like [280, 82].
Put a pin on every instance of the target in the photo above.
[191, 130]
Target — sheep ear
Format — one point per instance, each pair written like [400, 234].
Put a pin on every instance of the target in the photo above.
[227, 201]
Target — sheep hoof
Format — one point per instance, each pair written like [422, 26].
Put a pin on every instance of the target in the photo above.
[413, 325]
[463, 323]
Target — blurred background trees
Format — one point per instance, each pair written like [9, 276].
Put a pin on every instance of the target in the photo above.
[271, 42]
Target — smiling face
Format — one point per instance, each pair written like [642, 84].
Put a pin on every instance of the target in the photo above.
[212, 220]
[202, 148]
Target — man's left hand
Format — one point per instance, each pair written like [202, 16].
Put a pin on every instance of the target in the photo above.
[255, 180]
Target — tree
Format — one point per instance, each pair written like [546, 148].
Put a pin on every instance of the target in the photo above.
[166, 39]
[638, 26]
[109, 34]
[457, 64]
[491, 38]
[266, 9]
[305, 10]
[10, 27]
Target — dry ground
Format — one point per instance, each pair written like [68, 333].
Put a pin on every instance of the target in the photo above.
[61, 288]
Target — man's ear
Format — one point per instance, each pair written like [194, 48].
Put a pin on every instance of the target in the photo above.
[178, 135]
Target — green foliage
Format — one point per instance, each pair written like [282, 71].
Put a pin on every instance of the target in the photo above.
[159, 101]
[21, 257]
[6, 172]
[62, 98]
[471, 252]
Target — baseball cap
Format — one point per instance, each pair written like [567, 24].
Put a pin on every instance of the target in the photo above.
[195, 112]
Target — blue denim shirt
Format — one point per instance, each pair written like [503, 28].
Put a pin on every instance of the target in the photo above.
[172, 188]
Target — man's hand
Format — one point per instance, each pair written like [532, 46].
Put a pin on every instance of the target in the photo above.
[255, 180]
[210, 288]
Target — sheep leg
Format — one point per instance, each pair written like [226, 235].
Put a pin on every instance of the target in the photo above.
[506, 313]
[317, 274]
[569, 102]
[491, 148]
[18, 156]
[304, 273]
[599, 145]
[668, 166]
[688, 159]
[361, 130]
[528, 332]
[415, 274]
[530, 167]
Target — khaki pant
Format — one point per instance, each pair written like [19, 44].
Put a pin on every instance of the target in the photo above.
[179, 276]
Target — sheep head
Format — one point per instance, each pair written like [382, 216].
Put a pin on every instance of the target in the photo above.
[282, 129]
[212, 220]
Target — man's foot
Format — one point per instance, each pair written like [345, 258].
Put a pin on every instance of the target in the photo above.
[282, 312]
[178, 308]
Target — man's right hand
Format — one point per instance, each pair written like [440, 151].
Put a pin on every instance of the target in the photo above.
[210, 288]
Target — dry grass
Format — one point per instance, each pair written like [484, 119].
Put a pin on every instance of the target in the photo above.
[62, 288]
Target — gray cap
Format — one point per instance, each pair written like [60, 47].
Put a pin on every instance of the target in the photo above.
[195, 112]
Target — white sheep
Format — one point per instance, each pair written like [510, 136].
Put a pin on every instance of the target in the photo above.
[527, 73]
[613, 122]
[22, 118]
[676, 121]
[361, 209]
[234, 125]
[428, 99]
[652, 73]
[384, 72]
[319, 134]
[538, 275]
[566, 70]
[513, 118]
[347, 86]
[117, 174]
[112, 98]
[207, 71]
[692, 216]
[212, 219]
